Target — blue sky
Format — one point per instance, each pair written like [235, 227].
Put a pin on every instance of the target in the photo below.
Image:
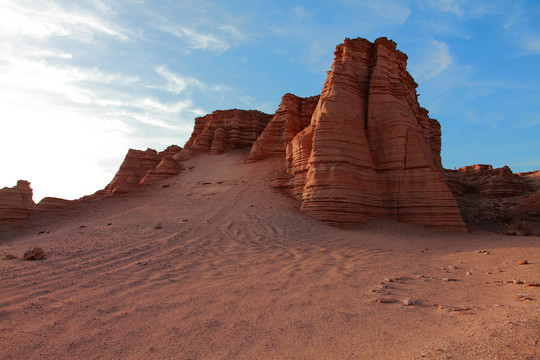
[81, 82]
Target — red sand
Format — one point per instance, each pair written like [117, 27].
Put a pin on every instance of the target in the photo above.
[237, 272]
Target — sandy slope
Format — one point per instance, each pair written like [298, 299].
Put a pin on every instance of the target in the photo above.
[237, 272]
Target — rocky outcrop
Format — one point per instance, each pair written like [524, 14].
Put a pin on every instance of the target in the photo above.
[134, 167]
[292, 116]
[53, 204]
[223, 130]
[495, 196]
[167, 167]
[143, 167]
[370, 150]
[16, 202]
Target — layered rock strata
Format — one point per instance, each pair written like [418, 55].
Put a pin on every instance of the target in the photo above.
[224, 129]
[53, 204]
[489, 196]
[370, 150]
[292, 116]
[143, 167]
[16, 202]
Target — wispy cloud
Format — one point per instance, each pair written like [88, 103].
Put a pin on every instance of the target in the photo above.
[176, 83]
[222, 39]
[46, 19]
[435, 60]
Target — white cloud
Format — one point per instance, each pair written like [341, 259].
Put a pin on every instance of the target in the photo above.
[46, 19]
[435, 60]
[176, 83]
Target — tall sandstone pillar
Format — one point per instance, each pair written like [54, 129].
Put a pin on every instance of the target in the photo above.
[370, 150]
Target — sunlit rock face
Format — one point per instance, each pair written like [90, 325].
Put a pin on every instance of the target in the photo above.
[16, 202]
[370, 150]
[223, 130]
[292, 116]
[143, 167]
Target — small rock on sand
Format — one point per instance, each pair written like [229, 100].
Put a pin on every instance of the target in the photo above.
[35, 254]
[10, 257]
[410, 301]
[522, 262]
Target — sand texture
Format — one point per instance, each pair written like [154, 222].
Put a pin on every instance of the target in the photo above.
[214, 263]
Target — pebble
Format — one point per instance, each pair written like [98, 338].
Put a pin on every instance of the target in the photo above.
[517, 281]
[468, 273]
[522, 262]
[453, 267]
[409, 301]
[386, 300]
[157, 226]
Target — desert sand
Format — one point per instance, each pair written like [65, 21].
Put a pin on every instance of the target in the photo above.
[214, 263]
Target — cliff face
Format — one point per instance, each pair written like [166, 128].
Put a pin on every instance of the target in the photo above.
[292, 116]
[371, 150]
[223, 130]
[143, 167]
[16, 202]
[488, 195]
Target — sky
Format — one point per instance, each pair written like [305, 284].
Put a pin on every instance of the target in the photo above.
[82, 82]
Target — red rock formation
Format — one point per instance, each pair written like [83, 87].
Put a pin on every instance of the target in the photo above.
[53, 204]
[135, 166]
[141, 167]
[224, 129]
[371, 150]
[495, 196]
[167, 167]
[16, 202]
[292, 116]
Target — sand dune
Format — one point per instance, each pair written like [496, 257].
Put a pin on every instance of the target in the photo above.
[235, 271]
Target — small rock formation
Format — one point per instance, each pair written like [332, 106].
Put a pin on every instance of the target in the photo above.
[139, 165]
[167, 167]
[53, 204]
[35, 254]
[371, 150]
[495, 196]
[292, 116]
[223, 130]
[16, 202]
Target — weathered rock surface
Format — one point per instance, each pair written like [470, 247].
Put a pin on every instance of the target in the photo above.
[16, 202]
[166, 168]
[371, 150]
[497, 196]
[53, 204]
[223, 130]
[292, 116]
[143, 167]
[36, 253]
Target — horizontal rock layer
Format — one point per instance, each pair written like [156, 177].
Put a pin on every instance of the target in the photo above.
[16, 202]
[488, 195]
[292, 116]
[223, 130]
[370, 150]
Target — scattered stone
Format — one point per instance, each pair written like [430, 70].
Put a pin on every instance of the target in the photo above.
[483, 252]
[452, 267]
[109, 224]
[158, 226]
[517, 281]
[468, 273]
[386, 300]
[388, 279]
[10, 257]
[41, 232]
[165, 186]
[531, 283]
[35, 254]
[82, 226]
[410, 301]
[448, 279]
[522, 297]
[522, 262]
